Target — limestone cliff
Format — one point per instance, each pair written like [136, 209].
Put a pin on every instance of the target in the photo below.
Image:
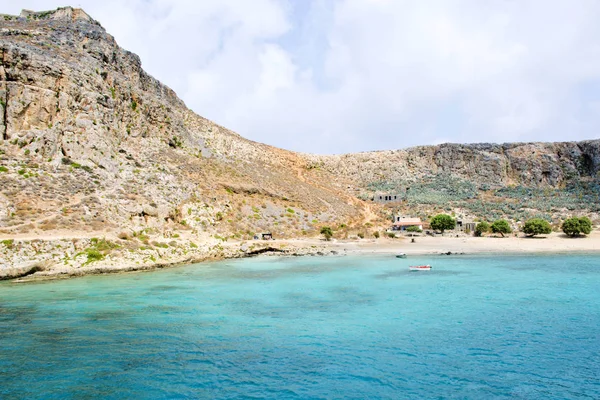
[91, 142]
[496, 165]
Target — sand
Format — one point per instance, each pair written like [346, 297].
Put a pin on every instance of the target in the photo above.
[553, 243]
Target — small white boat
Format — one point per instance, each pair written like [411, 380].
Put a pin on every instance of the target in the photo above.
[401, 255]
[419, 267]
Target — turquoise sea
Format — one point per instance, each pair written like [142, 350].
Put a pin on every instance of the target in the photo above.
[474, 327]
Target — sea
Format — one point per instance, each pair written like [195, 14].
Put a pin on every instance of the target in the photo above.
[351, 327]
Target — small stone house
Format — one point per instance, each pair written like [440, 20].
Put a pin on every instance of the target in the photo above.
[387, 198]
[465, 226]
[401, 223]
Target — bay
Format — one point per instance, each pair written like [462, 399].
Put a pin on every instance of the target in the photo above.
[332, 327]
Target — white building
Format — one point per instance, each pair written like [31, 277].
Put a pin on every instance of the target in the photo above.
[401, 223]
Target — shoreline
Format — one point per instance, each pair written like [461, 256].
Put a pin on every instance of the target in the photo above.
[439, 246]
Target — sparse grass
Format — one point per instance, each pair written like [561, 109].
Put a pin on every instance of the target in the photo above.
[93, 255]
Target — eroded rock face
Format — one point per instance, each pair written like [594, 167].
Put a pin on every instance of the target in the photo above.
[90, 141]
[497, 165]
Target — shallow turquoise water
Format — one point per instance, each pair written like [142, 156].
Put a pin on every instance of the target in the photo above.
[349, 327]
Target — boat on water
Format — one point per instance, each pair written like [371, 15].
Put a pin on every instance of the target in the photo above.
[401, 255]
[419, 267]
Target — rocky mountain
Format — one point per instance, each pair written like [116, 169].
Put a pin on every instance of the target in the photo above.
[488, 181]
[90, 142]
[497, 165]
[93, 147]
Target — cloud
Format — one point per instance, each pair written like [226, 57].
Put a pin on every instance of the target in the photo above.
[333, 76]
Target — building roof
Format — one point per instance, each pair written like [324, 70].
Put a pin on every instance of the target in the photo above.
[408, 222]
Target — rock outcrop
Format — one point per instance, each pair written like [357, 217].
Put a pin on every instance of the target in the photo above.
[496, 165]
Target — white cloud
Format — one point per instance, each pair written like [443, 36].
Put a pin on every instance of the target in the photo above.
[332, 76]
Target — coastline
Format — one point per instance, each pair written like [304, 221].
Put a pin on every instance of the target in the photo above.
[49, 269]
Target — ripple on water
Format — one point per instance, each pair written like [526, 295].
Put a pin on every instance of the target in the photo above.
[353, 327]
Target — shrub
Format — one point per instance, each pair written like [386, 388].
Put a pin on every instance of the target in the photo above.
[175, 142]
[414, 229]
[481, 228]
[3, 168]
[501, 226]
[442, 222]
[577, 225]
[101, 246]
[391, 235]
[93, 255]
[376, 234]
[537, 226]
[327, 232]
[360, 235]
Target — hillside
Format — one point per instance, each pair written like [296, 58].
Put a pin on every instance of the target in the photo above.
[513, 180]
[90, 142]
[97, 157]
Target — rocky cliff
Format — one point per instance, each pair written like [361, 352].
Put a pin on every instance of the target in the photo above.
[90, 141]
[495, 165]
[92, 146]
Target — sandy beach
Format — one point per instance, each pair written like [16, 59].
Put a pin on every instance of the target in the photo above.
[553, 243]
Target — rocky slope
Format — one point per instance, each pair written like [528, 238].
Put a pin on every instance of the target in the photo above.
[88, 133]
[497, 165]
[93, 147]
[514, 180]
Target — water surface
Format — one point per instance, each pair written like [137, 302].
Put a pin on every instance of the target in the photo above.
[345, 327]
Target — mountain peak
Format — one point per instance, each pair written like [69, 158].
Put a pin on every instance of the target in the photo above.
[60, 14]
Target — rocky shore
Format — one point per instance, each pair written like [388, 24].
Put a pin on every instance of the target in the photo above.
[35, 260]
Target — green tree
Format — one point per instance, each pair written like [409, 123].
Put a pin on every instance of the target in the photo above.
[414, 228]
[442, 222]
[481, 228]
[585, 225]
[537, 226]
[327, 232]
[577, 225]
[501, 226]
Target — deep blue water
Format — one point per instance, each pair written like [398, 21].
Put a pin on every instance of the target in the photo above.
[525, 327]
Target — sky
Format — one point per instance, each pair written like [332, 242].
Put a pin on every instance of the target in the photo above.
[340, 76]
